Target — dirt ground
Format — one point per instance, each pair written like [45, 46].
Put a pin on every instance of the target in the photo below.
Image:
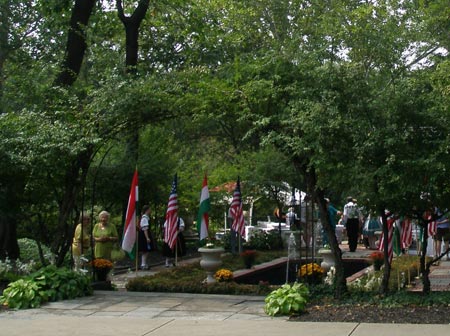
[373, 314]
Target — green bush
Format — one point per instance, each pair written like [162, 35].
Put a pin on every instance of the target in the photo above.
[189, 279]
[264, 241]
[287, 300]
[48, 284]
[29, 251]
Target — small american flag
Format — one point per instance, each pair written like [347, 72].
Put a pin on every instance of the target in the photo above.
[432, 226]
[406, 238]
[171, 225]
[390, 225]
[236, 212]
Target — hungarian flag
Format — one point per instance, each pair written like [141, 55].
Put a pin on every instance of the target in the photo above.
[171, 224]
[129, 231]
[205, 206]
[236, 211]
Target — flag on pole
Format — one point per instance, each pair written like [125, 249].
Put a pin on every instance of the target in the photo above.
[171, 225]
[406, 233]
[205, 206]
[432, 226]
[129, 231]
[390, 225]
[397, 237]
[236, 212]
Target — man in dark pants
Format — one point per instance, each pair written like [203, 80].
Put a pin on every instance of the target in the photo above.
[351, 221]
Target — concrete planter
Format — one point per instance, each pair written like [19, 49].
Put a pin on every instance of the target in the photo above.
[211, 261]
[328, 259]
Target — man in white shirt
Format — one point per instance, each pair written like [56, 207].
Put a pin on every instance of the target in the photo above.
[351, 221]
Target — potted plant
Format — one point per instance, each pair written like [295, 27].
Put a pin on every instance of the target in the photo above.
[328, 257]
[249, 257]
[101, 268]
[224, 275]
[377, 259]
[311, 273]
[211, 260]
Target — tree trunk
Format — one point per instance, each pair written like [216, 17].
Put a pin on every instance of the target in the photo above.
[76, 173]
[132, 24]
[76, 42]
[340, 281]
[424, 266]
[8, 238]
[74, 182]
[4, 47]
[387, 265]
[319, 197]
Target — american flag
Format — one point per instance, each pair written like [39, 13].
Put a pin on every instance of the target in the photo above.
[390, 225]
[171, 225]
[236, 212]
[406, 238]
[432, 226]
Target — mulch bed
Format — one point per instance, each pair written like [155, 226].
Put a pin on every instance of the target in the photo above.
[374, 314]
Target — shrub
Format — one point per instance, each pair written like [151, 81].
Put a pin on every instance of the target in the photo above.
[189, 279]
[29, 251]
[264, 241]
[48, 284]
[287, 300]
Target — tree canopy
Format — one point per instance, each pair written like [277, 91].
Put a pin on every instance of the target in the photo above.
[337, 98]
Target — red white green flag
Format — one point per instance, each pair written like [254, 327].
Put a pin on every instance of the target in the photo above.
[129, 231]
[205, 206]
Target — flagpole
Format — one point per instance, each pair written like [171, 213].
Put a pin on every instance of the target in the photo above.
[176, 251]
[136, 224]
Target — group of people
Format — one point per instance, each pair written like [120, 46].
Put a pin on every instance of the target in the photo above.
[104, 235]
[367, 227]
[105, 238]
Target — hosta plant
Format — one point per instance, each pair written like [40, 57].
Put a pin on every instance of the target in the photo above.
[287, 300]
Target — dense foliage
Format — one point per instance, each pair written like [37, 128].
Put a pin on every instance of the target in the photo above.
[48, 284]
[316, 94]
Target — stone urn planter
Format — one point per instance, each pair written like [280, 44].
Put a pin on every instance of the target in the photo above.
[211, 261]
[328, 259]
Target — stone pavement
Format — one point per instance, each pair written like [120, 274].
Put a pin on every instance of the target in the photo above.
[109, 313]
[158, 314]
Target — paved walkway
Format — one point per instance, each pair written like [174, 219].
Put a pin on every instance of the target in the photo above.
[158, 314]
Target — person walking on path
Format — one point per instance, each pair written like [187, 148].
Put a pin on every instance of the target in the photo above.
[351, 220]
[332, 213]
[442, 233]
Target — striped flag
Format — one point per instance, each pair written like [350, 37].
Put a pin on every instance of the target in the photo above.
[205, 206]
[432, 226]
[390, 224]
[129, 231]
[236, 211]
[397, 242]
[171, 225]
[406, 233]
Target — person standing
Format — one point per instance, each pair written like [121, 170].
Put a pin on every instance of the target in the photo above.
[442, 233]
[351, 220]
[180, 246]
[105, 235]
[291, 218]
[81, 244]
[145, 243]
[332, 213]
